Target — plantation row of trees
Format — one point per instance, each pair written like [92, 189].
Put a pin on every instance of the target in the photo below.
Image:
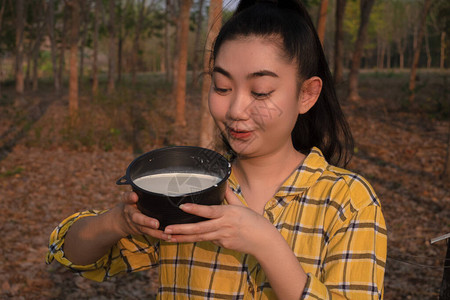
[81, 39]
[393, 32]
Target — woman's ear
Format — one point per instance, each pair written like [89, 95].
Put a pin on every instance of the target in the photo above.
[309, 93]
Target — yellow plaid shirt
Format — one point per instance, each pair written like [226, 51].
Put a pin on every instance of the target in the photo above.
[331, 218]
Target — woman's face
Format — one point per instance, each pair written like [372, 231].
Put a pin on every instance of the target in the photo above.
[254, 96]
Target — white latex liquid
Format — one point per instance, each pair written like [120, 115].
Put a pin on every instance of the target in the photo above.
[176, 184]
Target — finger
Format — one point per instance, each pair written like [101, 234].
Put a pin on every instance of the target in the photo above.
[191, 228]
[130, 198]
[231, 198]
[206, 211]
[159, 234]
[143, 221]
[191, 238]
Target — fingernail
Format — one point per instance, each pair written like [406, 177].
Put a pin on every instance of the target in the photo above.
[155, 224]
[168, 231]
[184, 206]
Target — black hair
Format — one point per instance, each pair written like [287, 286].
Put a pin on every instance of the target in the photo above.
[324, 125]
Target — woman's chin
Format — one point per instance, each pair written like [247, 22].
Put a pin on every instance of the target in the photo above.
[243, 148]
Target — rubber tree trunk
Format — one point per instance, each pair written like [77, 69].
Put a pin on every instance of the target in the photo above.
[427, 48]
[322, 20]
[418, 45]
[2, 10]
[62, 48]
[197, 43]
[447, 164]
[442, 59]
[207, 123]
[136, 45]
[338, 41]
[167, 44]
[180, 91]
[444, 293]
[95, 50]
[51, 36]
[112, 48]
[36, 51]
[365, 9]
[176, 49]
[73, 62]
[19, 49]
[85, 10]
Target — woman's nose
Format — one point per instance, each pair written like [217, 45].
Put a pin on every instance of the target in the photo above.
[239, 106]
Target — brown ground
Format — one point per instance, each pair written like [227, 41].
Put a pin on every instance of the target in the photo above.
[50, 170]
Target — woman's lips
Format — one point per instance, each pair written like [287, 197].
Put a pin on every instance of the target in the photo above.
[240, 134]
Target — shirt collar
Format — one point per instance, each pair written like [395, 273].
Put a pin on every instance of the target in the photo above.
[304, 176]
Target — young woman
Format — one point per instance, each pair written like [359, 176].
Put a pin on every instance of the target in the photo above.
[293, 226]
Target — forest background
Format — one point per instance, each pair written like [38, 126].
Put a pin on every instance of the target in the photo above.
[87, 85]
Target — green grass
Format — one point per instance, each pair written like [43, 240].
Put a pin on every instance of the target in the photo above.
[13, 172]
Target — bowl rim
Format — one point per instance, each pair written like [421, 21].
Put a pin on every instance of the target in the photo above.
[131, 182]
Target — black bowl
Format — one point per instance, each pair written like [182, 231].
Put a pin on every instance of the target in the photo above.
[178, 159]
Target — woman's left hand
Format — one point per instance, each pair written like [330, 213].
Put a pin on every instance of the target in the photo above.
[233, 226]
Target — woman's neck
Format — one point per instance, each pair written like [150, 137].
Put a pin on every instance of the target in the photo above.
[267, 170]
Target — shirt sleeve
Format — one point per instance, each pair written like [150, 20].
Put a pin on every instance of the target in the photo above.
[355, 263]
[130, 254]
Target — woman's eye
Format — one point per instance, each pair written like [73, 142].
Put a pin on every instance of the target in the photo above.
[220, 91]
[261, 95]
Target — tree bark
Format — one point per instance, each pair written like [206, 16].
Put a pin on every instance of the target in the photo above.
[180, 92]
[19, 49]
[35, 75]
[388, 56]
[195, 62]
[137, 35]
[379, 50]
[119, 58]
[85, 9]
[2, 10]
[415, 63]
[176, 53]
[401, 52]
[167, 45]
[427, 48]
[63, 47]
[40, 27]
[442, 58]
[207, 123]
[74, 36]
[120, 38]
[322, 20]
[365, 8]
[29, 55]
[95, 50]
[112, 48]
[51, 36]
[338, 41]
[446, 173]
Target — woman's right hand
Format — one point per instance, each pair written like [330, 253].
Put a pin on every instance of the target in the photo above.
[135, 222]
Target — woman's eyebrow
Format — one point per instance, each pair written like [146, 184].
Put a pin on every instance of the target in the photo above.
[221, 71]
[249, 76]
[262, 73]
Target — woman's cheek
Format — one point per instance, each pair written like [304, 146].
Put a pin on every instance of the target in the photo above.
[217, 108]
